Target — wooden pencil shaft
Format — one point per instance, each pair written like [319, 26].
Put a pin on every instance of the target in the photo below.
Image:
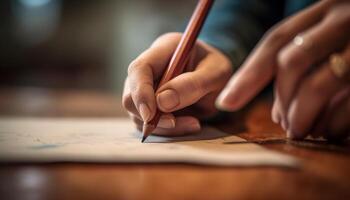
[182, 52]
[188, 39]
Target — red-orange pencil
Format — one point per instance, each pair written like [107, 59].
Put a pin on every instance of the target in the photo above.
[180, 56]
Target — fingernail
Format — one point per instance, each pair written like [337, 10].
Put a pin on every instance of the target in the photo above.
[284, 125]
[168, 99]
[144, 112]
[222, 102]
[166, 122]
[275, 118]
[194, 127]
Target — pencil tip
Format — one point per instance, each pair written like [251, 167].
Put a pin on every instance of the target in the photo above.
[143, 138]
[147, 129]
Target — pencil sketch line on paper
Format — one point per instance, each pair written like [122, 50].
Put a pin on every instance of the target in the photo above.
[46, 146]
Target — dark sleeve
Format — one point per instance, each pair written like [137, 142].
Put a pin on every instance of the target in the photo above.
[235, 26]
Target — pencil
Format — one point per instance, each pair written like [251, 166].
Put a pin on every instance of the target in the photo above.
[178, 61]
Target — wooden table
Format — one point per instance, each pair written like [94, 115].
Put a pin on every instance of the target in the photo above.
[325, 173]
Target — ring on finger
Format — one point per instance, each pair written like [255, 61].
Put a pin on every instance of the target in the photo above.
[304, 44]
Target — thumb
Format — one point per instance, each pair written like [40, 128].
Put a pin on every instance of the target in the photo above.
[186, 89]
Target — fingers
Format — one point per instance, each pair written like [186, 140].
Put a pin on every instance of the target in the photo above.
[312, 96]
[184, 125]
[166, 121]
[127, 102]
[339, 120]
[140, 81]
[259, 68]
[186, 89]
[315, 45]
[274, 111]
[138, 96]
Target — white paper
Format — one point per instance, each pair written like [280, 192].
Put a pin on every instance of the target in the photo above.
[115, 140]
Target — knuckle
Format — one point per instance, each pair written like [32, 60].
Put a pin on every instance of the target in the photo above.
[285, 60]
[170, 35]
[134, 65]
[127, 101]
[277, 35]
[225, 69]
[224, 73]
[338, 16]
[167, 38]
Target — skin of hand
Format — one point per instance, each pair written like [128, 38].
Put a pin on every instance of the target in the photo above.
[187, 98]
[306, 88]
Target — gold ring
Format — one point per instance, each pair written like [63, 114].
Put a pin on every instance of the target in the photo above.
[339, 67]
[300, 41]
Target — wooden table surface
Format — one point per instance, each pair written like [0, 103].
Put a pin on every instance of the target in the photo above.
[325, 173]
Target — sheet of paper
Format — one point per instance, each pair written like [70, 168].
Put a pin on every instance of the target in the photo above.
[116, 140]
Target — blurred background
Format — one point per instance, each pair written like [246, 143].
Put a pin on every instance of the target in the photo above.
[80, 44]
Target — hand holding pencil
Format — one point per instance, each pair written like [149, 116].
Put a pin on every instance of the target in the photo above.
[184, 99]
